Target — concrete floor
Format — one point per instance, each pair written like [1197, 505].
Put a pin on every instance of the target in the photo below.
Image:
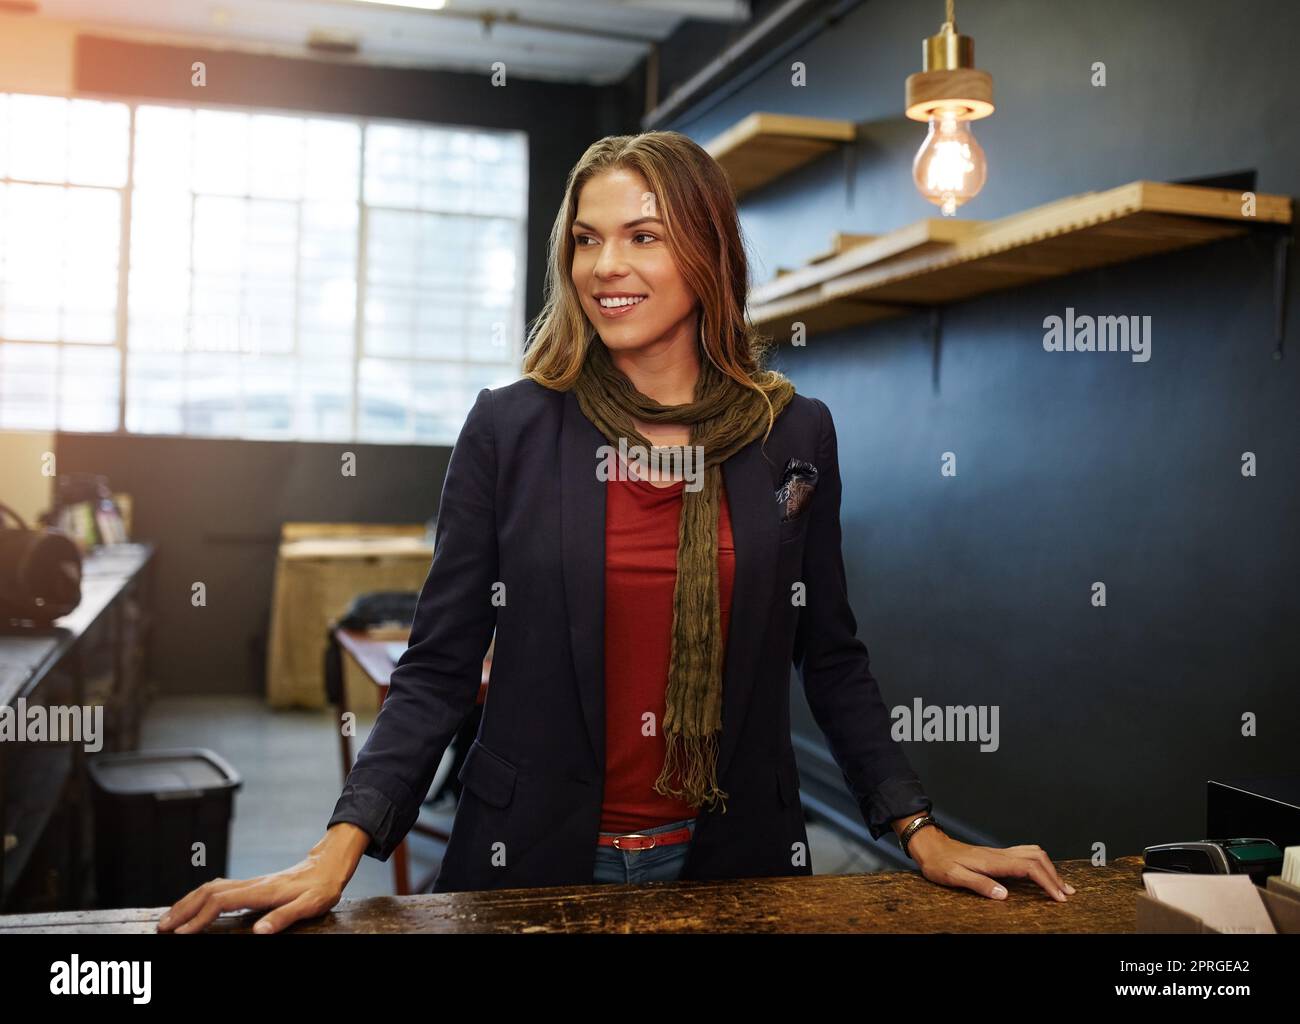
[292, 776]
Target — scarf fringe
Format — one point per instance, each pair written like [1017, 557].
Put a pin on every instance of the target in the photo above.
[696, 758]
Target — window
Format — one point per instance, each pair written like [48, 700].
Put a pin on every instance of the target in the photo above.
[286, 276]
[63, 165]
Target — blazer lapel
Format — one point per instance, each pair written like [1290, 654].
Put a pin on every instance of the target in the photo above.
[755, 530]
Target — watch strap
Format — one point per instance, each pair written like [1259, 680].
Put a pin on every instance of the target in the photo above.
[913, 827]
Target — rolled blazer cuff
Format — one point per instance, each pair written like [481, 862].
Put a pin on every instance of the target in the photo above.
[377, 812]
[893, 799]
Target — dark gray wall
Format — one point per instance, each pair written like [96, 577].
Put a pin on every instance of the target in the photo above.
[1072, 467]
[214, 508]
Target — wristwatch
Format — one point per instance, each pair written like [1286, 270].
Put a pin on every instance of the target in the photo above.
[912, 828]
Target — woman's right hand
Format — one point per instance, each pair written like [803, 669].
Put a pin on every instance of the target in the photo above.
[308, 889]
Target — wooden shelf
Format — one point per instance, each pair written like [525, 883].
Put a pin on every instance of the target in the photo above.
[763, 147]
[925, 236]
[841, 242]
[934, 262]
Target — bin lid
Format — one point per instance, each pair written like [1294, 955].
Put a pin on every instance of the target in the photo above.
[160, 772]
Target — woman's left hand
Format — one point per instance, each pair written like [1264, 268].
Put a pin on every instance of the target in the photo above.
[947, 861]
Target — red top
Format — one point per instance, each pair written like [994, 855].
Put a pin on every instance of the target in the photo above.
[641, 521]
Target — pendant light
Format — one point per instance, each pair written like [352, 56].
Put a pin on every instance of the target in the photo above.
[949, 93]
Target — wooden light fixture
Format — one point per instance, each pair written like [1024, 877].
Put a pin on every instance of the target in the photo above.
[950, 92]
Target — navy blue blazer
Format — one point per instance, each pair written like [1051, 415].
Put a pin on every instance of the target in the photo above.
[522, 506]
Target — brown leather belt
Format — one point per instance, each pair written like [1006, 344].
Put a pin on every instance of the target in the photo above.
[641, 841]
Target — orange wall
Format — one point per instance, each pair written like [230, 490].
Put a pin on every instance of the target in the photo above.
[36, 54]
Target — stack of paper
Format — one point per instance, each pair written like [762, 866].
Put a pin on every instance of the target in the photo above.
[1291, 865]
[1227, 903]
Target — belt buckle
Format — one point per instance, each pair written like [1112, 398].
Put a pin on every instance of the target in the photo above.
[634, 835]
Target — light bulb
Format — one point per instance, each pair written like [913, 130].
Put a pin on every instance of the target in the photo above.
[949, 167]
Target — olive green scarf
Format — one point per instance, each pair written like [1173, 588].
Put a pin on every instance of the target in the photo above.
[724, 417]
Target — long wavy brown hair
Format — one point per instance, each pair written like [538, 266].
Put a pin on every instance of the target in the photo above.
[702, 227]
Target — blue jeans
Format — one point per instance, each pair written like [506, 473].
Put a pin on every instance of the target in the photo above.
[657, 864]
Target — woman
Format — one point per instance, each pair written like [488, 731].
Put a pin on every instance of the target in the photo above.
[646, 617]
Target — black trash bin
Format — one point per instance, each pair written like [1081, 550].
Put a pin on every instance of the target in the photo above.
[151, 807]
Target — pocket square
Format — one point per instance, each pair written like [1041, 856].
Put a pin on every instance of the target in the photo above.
[797, 485]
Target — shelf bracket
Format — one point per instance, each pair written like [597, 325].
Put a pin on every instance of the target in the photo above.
[1281, 280]
[936, 345]
[850, 173]
[935, 332]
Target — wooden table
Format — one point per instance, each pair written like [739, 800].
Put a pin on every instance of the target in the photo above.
[884, 903]
[316, 578]
[369, 650]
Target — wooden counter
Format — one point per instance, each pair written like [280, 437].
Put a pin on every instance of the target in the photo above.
[888, 902]
[94, 656]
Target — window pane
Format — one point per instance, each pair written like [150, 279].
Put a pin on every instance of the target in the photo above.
[212, 394]
[452, 170]
[98, 138]
[88, 388]
[276, 156]
[164, 151]
[327, 276]
[28, 384]
[502, 161]
[158, 299]
[333, 156]
[59, 247]
[244, 274]
[325, 400]
[253, 253]
[155, 392]
[384, 400]
[441, 286]
[420, 402]
[53, 139]
[446, 398]
[444, 244]
[270, 387]
[392, 165]
[221, 143]
[473, 172]
[33, 261]
[90, 246]
[270, 272]
[440, 404]
[38, 138]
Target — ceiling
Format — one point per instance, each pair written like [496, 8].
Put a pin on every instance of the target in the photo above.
[593, 42]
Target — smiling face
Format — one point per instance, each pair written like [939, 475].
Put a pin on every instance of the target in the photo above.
[623, 270]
